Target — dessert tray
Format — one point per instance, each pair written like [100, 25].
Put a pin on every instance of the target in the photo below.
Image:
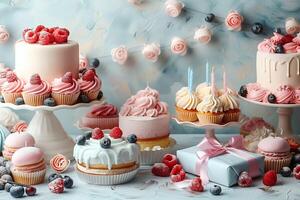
[46, 129]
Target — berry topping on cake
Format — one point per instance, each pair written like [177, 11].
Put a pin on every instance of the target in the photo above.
[19, 101]
[97, 134]
[296, 172]
[215, 190]
[49, 102]
[83, 98]
[170, 160]
[245, 180]
[243, 91]
[67, 78]
[160, 169]
[56, 186]
[2, 100]
[45, 38]
[177, 173]
[80, 140]
[11, 76]
[39, 28]
[31, 37]
[105, 143]
[35, 79]
[67, 31]
[270, 178]
[116, 133]
[52, 29]
[89, 75]
[286, 172]
[279, 48]
[271, 98]
[132, 138]
[24, 31]
[60, 35]
[196, 185]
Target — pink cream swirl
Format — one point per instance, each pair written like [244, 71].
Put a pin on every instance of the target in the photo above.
[106, 110]
[297, 96]
[285, 94]
[266, 46]
[13, 84]
[58, 86]
[86, 86]
[234, 21]
[255, 92]
[147, 92]
[290, 47]
[3, 76]
[37, 89]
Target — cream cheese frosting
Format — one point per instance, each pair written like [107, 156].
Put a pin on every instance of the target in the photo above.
[210, 103]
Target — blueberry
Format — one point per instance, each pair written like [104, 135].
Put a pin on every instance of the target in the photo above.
[277, 30]
[105, 143]
[80, 140]
[279, 49]
[215, 190]
[257, 28]
[295, 160]
[2, 185]
[286, 172]
[3, 171]
[30, 191]
[83, 98]
[209, 17]
[88, 135]
[17, 191]
[49, 102]
[7, 187]
[68, 182]
[2, 161]
[243, 91]
[95, 62]
[7, 177]
[132, 138]
[2, 99]
[19, 101]
[53, 176]
[271, 98]
[100, 95]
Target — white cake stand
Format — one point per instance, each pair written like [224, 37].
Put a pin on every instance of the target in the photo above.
[284, 112]
[46, 129]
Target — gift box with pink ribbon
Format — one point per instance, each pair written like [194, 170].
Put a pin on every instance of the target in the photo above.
[219, 163]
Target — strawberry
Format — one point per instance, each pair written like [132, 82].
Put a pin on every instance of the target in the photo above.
[196, 185]
[30, 37]
[270, 178]
[160, 169]
[35, 79]
[116, 133]
[60, 35]
[39, 28]
[177, 173]
[67, 78]
[170, 160]
[296, 172]
[97, 134]
[89, 75]
[44, 38]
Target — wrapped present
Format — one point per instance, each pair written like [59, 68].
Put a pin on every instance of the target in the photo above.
[219, 163]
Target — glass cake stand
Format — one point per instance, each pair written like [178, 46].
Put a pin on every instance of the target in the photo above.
[284, 112]
[46, 129]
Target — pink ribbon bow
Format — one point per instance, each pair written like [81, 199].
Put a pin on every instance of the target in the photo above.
[210, 147]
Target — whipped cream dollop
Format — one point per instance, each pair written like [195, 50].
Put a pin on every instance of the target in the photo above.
[229, 101]
[210, 103]
[186, 99]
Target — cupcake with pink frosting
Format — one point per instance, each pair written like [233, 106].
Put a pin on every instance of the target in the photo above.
[12, 88]
[103, 116]
[90, 84]
[256, 92]
[28, 166]
[36, 91]
[65, 90]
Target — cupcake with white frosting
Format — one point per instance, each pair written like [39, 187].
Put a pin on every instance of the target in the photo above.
[231, 107]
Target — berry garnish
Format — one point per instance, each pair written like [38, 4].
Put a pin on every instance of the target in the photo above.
[83, 98]
[286, 172]
[2, 99]
[215, 190]
[271, 98]
[245, 180]
[52, 29]
[39, 28]
[68, 32]
[177, 173]
[80, 140]
[53, 176]
[279, 48]
[30, 191]
[16, 191]
[243, 91]
[257, 28]
[88, 135]
[196, 185]
[170, 160]
[97, 134]
[296, 158]
[160, 169]
[100, 95]
[270, 178]
[67, 78]
[11, 76]
[287, 38]
[60, 35]
[57, 185]
[31, 37]
[35, 79]
[209, 17]
[116, 133]
[105, 143]
[296, 172]
[132, 138]
[19, 101]
[24, 31]
[49, 102]
[89, 75]
[95, 62]
[45, 38]
[7, 187]
[68, 182]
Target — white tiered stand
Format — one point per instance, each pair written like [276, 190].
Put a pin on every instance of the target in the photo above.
[46, 129]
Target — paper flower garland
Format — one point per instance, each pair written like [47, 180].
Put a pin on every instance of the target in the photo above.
[83, 62]
[203, 35]
[173, 8]
[234, 21]
[151, 51]
[179, 46]
[4, 34]
[291, 26]
[119, 54]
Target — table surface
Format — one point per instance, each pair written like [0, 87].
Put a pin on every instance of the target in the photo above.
[147, 186]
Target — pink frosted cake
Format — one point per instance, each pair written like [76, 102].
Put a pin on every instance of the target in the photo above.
[103, 116]
[148, 118]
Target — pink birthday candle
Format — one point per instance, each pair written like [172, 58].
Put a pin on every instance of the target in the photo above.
[213, 83]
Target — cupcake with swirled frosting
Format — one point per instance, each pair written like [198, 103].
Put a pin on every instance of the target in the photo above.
[231, 107]
[103, 116]
[186, 104]
[36, 91]
[90, 84]
[65, 90]
[210, 110]
[12, 88]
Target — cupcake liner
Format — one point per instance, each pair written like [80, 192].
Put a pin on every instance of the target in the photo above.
[33, 178]
[231, 116]
[186, 115]
[208, 118]
[106, 179]
[92, 95]
[277, 165]
[155, 156]
[102, 123]
[11, 97]
[65, 99]
[34, 100]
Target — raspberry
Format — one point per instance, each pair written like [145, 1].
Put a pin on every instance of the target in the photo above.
[44, 38]
[116, 133]
[68, 32]
[45, 29]
[30, 37]
[270, 178]
[160, 169]
[287, 38]
[39, 28]
[57, 185]
[170, 160]
[35, 79]
[67, 78]
[24, 31]
[60, 35]
[296, 172]
[196, 185]
[177, 173]
[52, 29]
[97, 134]
[244, 180]
[89, 75]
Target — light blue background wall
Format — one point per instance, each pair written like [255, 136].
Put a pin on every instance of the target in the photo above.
[99, 25]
